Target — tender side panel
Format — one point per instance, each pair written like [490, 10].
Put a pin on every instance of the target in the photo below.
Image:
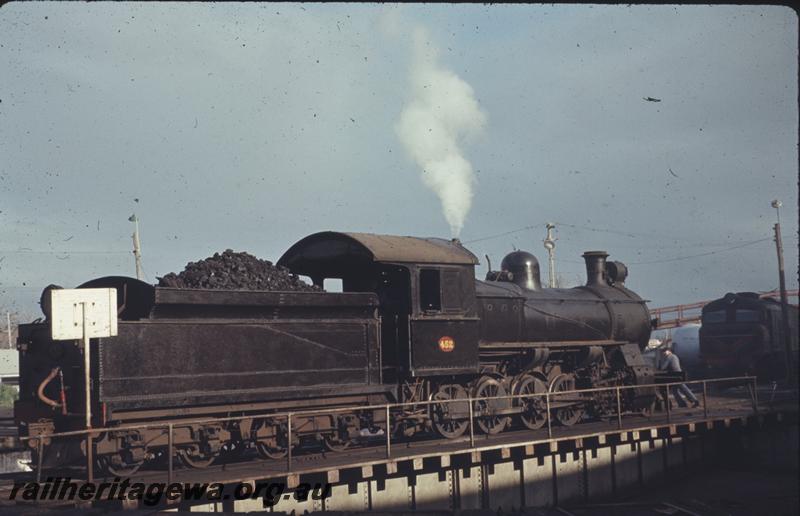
[242, 304]
[157, 364]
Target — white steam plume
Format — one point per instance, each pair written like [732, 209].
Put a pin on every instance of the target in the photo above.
[442, 113]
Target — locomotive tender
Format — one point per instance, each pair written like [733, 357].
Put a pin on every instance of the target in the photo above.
[411, 325]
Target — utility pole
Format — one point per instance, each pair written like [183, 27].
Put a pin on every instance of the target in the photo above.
[137, 250]
[8, 322]
[550, 245]
[790, 369]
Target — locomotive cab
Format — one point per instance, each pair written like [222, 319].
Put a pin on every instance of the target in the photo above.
[444, 322]
[426, 288]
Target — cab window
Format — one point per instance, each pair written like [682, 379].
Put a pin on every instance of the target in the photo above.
[430, 297]
[451, 291]
[714, 317]
[747, 315]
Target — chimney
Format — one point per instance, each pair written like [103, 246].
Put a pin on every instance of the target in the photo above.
[595, 268]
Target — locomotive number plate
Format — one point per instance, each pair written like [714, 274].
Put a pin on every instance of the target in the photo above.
[447, 344]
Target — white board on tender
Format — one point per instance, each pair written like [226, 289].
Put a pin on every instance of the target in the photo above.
[67, 310]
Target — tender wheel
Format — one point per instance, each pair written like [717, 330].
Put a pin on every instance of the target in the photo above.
[195, 459]
[450, 420]
[119, 465]
[270, 451]
[572, 413]
[534, 414]
[339, 440]
[335, 444]
[486, 407]
[275, 446]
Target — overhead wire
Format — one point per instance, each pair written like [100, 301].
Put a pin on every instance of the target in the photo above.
[737, 245]
[629, 234]
[677, 258]
[32, 251]
[535, 226]
[490, 237]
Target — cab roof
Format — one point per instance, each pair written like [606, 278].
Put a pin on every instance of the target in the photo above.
[327, 249]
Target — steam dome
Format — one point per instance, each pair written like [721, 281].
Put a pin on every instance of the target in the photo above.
[524, 269]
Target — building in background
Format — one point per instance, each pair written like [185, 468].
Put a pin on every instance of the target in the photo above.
[9, 367]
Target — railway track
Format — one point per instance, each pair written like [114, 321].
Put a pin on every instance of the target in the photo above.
[720, 408]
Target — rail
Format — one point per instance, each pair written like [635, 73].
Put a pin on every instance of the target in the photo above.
[37, 441]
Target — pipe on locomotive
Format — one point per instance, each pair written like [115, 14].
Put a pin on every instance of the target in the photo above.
[42, 386]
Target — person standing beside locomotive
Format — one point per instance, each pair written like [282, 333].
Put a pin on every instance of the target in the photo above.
[672, 364]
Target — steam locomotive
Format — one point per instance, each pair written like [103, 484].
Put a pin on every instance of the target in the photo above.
[412, 325]
[743, 333]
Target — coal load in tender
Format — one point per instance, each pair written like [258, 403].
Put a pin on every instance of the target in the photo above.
[236, 271]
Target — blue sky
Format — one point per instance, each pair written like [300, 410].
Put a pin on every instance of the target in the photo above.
[249, 126]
